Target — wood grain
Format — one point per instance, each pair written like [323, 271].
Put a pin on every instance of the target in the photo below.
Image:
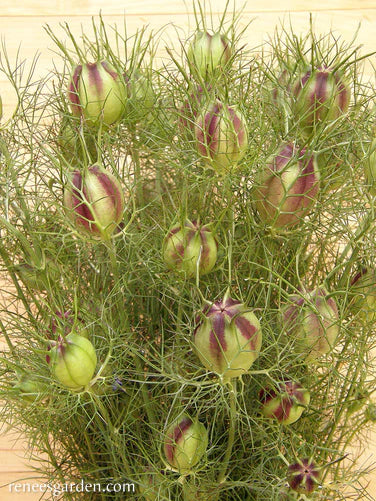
[21, 29]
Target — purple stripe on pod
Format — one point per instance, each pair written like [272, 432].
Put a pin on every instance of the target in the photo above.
[299, 86]
[175, 438]
[362, 272]
[95, 78]
[73, 91]
[217, 341]
[296, 481]
[265, 395]
[246, 329]
[212, 128]
[109, 70]
[284, 156]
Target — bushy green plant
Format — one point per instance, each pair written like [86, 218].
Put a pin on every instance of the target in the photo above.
[113, 292]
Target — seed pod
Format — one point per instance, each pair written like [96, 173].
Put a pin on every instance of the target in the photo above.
[221, 136]
[190, 248]
[287, 188]
[363, 302]
[185, 443]
[74, 143]
[370, 169]
[96, 93]
[94, 201]
[285, 403]
[37, 278]
[73, 361]
[208, 53]
[321, 96]
[370, 413]
[140, 93]
[228, 338]
[311, 320]
[303, 476]
[29, 389]
[190, 109]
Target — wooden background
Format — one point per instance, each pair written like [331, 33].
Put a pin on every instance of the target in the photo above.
[21, 28]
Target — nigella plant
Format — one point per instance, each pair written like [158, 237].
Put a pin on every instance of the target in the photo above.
[188, 249]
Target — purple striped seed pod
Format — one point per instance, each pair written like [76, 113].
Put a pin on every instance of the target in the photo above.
[208, 53]
[184, 444]
[285, 403]
[321, 96]
[221, 136]
[73, 361]
[370, 168]
[311, 321]
[228, 338]
[190, 108]
[96, 93]
[94, 201]
[190, 248]
[363, 288]
[287, 187]
[303, 476]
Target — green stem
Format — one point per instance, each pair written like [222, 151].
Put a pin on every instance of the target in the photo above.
[231, 433]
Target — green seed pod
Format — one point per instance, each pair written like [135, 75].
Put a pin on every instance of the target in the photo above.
[96, 93]
[29, 389]
[190, 248]
[363, 288]
[73, 361]
[370, 413]
[141, 97]
[311, 320]
[208, 53]
[221, 135]
[303, 476]
[228, 338]
[94, 201]
[185, 443]
[287, 188]
[36, 278]
[370, 169]
[285, 403]
[321, 96]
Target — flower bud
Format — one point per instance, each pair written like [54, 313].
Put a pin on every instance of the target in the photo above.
[73, 361]
[185, 443]
[36, 278]
[228, 338]
[286, 403]
[95, 202]
[29, 389]
[370, 413]
[303, 476]
[96, 93]
[74, 143]
[311, 320]
[190, 248]
[321, 96]
[140, 93]
[221, 136]
[363, 288]
[287, 187]
[370, 169]
[208, 53]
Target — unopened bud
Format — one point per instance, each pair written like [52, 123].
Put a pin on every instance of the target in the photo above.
[184, 444]
[94, 201]
[285, 403]
[228, 338]
[208, 53]
[190, 248]
[73, 361]
[322, 95]
[287, 188]
[303, 476]
[311, 322]
[221, 136]
[97, 93]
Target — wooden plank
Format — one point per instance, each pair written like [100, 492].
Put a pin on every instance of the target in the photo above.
[35, 39]
[146, 7]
